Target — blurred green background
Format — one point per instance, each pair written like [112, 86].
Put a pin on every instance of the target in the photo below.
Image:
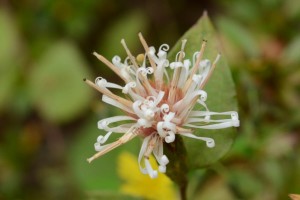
[48, 116]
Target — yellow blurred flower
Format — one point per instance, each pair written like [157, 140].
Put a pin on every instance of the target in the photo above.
[137, 184]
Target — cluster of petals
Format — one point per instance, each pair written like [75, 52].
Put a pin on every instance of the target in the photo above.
[159, 100]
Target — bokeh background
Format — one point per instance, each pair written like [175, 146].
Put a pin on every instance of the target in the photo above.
[48, 116]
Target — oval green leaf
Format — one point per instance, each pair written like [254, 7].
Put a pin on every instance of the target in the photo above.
[221, 95]
[56, 85]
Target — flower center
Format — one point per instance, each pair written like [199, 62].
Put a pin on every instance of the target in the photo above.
[154, 116]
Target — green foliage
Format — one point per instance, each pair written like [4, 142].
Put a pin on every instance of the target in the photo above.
[55, 85]
[9, 58]
[221, 95]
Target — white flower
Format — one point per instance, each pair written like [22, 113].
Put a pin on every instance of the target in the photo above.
[159, 104]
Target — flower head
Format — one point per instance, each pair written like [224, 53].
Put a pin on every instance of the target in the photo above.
[160, 102]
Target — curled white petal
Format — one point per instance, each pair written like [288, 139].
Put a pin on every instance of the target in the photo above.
[175, 65]
[197, 78]
[186, 101]
[187, 64]
[149, 114]
[149, 70]
[164, 47]
[142, 152]
[209, 141]
[178, 54]
[168, 117]
[99, 138]
[116, 61]
[137, 110]
[162, 169]
[162, 54]
[170, 137]
[143, 71]
[165, 108]
[195, 55]
[235, 119]
[221, 125]
[197, 116]
[103, 83]
[164, 160]
[99, 147]
[103, 124]
[152, 173]
[100, 82]
[160, 96]
[102, 139]
[144, 123]
[151, 51]
[128, 86]
[160, 129]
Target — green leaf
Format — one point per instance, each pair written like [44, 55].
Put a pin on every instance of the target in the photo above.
[221, 95]
[56, 86]
[9, 57]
